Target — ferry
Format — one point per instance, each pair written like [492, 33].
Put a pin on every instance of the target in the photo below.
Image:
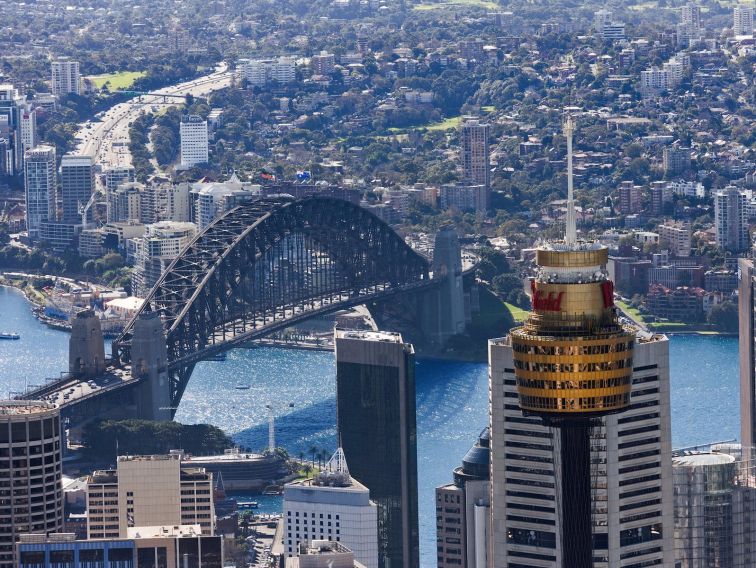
[247, 505]
[242, 387]
[9, 336]
[273, 490]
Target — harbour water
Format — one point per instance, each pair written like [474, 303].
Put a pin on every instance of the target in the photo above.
[452, 398]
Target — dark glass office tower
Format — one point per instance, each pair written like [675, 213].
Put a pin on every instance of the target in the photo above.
[375, 394]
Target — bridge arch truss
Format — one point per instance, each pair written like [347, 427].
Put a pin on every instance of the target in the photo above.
[266, 265]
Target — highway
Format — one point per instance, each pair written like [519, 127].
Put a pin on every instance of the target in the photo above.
[107, 139]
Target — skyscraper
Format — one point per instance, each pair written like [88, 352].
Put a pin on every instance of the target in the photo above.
[747, 350]
[463, 511]
[580, 430]
[375, 398]
[731, 219]
[77, 182]
[194, 141]
[40, 188]
[333, 506]
[65, 77]
[28, 129]
[476, 159]
[742, 19]
[30, 459]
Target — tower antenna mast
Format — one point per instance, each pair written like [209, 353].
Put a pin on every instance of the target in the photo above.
[570, 234]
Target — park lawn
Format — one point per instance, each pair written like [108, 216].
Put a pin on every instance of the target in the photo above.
[485, 4]
[518, 314]
[118, 81]
[448, 124]
[625, 307]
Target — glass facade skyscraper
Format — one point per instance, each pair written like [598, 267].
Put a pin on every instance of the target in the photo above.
[375, 393]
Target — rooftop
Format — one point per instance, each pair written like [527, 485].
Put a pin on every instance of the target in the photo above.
[164, 531]
[389, 336]
[21, 407]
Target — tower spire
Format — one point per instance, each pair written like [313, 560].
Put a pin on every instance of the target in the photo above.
[570, 234]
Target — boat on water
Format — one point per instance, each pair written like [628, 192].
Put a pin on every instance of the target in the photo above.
[242, 387]
[247, 504]
[9, 336]
[273, 490]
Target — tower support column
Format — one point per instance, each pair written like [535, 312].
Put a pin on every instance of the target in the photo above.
[577, 529]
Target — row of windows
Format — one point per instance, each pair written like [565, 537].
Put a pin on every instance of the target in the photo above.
[573, 349]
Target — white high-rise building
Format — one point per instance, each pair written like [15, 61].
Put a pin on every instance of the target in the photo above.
[332, 506]
[154, 251]
[631, 471]
[601, 18]
[40, 188]
[742, 19]
[65, 77]
[653, 81]
[260, 72]
[117, 175]
[194, 141]
[731, 219]
[213, 199]
[689, 28]
[28, 129]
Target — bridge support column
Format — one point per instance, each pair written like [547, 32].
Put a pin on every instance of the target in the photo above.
[445, 306]
[86, 347]
[149, 358]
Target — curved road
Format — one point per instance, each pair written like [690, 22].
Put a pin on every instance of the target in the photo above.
[107, 139]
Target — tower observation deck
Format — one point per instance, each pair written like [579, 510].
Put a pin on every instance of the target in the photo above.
[573, 362]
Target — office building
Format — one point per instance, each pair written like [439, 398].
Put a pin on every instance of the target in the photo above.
[175, 546]
[476, 160]
[161, 243]
[65, 77]
[580, 422]
[676, 237]
[148, 491]
[742, 19]
[747, 350]
[117, 175]
[463, 511]
[323, 554]
[28, 129]
[194, 141]
[332, 506]
[731, 219]
[77, 182]
[375, 400]
[10, 103]
[715, 507]
[29, 433]
[40, 188]
[464, 197]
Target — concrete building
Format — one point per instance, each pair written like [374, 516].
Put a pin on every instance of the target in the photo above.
[654, 81]
[689, 29]
[154, 251]
[742, 19]
[241, 471]
[332, 506]
[675, 160]
[213, 199]
[464, 197]
[375, 399]
[261, 72]
[747, 350]
[463, 511]
[77, 182]
[28, 129]
[323, 63]
[124, 203]
[65, 77]
[476, 158]
[660, 195]
[86, 346]
[731, 219]
[632, 504]
[715, 502]
[148, 491]
[167, 202]
[601, 18]
[194, 141]
[630, 196]
[30, 432]
[675, 237]
[117, 175]
[175, 546]
[40, 188]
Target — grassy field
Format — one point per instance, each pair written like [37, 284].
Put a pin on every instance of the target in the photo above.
[485, 4]
[118, 81]
[518, 314]
[448, 124]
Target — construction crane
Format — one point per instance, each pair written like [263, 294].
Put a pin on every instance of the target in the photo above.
[83, 211]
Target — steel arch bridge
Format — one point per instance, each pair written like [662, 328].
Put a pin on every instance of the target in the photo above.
[269, 264]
